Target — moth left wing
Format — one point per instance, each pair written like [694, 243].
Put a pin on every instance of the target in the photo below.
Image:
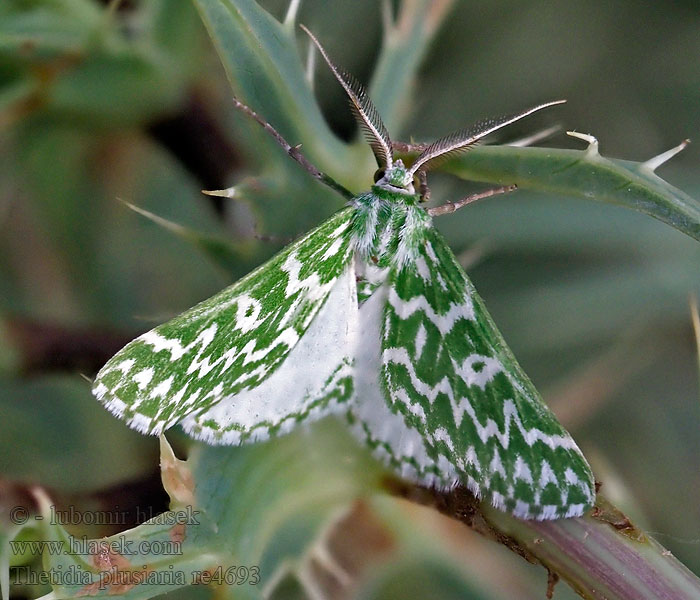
[448, 372]
[269, 351]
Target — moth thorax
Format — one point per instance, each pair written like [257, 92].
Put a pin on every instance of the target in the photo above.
[386, 231]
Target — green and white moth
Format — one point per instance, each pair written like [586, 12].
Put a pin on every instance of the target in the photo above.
[369, 316]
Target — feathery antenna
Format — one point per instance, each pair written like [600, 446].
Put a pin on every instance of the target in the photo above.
[462, 140]
[363, 108]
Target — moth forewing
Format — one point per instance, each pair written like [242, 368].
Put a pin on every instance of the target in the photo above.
[313, 381]
[448, 371]
[227, 346]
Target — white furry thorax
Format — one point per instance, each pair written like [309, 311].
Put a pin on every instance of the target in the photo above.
[388, 226]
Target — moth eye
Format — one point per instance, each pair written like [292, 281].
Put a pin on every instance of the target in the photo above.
[378, 174]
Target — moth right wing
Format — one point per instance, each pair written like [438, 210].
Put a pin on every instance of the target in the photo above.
[448, 374]
[224, 368]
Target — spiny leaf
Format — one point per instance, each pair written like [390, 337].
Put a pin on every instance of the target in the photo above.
[583, 174]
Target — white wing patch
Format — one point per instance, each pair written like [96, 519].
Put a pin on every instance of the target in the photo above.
[421, 338]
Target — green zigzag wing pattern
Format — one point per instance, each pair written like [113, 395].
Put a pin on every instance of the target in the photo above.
[218, 353]
[447, 369]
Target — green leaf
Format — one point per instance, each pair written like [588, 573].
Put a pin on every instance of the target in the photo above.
[119, 87]
[261, 59]
[176, 31]
[420, 578]
[405, 44]
[85, 63]
[46, 29]
[581, 173]
[249, 506]
[71, 448]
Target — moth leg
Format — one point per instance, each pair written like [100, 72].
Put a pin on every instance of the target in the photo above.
[293, 151]
[451, 207]
[423, 188]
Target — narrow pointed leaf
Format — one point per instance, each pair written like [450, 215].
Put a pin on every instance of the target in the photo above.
[405, 43]
[225, 254]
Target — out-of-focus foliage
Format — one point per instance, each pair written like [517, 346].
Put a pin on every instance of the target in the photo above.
[99, 104]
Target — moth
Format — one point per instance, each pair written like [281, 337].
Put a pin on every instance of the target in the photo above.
[369, 317]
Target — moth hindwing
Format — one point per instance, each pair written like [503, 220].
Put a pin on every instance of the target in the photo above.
[371, 316]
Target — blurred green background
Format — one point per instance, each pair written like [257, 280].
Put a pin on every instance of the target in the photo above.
[97, 106]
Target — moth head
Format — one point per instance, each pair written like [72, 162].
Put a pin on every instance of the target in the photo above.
[395, 178]
[398, 175]
[394, 173]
